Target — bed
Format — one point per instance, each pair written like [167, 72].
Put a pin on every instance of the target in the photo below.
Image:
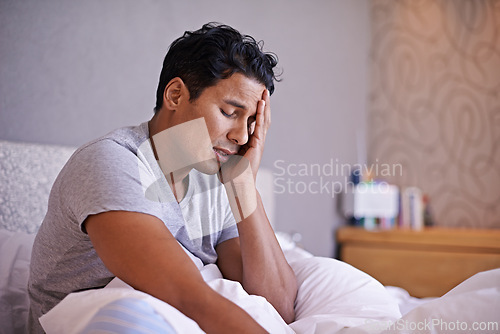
[333, 296]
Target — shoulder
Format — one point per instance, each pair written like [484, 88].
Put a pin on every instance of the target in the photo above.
[120, 140]
[113, 157]
[113, 148]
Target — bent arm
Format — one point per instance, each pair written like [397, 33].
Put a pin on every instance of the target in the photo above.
[140, 250]
[256, 260]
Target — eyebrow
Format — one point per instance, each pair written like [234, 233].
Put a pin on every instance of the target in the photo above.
[236, 104]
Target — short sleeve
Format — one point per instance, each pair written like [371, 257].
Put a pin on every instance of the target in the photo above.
[106, 176]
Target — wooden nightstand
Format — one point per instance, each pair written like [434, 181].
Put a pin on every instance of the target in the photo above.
[426, 263]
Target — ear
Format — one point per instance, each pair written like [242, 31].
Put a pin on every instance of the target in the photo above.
[174, 93]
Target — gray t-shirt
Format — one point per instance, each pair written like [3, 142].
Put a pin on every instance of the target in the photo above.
[117, 172]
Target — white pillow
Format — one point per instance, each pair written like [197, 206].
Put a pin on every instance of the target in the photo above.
[471, 307]
[15, 254]
[333, 295]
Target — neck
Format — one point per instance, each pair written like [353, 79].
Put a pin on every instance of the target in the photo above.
[159, 122]
[179, 185]
[178, 179]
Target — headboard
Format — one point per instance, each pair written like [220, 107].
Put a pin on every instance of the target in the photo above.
[27, 172]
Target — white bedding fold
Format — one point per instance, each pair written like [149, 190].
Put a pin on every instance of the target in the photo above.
[77, 309]
[333, 297]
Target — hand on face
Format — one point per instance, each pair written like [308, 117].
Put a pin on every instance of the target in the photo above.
[250, 154]
[254, 148]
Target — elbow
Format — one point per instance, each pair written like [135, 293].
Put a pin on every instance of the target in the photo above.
[283, 301]
[288, 314]
[286, 306]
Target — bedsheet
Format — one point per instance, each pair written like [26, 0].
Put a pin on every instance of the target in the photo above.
[334, 297]
[471, 307]
[329, 290]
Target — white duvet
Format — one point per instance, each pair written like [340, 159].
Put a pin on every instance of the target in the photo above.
[333, 297]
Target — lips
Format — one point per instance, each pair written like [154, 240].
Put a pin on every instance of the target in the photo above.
[222, 154]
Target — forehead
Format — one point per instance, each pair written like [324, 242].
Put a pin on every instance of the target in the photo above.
[237, 88]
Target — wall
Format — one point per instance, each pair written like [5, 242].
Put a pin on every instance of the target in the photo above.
[435, 103]
[71, 71]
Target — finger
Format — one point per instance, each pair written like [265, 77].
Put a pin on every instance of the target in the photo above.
[267, 111]
[260, 120]
[251, 129]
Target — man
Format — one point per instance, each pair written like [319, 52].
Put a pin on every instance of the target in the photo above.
[130, 203]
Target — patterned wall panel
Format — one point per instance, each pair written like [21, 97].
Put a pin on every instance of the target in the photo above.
[435, 103]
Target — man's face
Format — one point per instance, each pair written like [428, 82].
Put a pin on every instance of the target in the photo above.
[229, 110]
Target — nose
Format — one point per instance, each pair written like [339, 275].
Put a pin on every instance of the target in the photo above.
[239, 133]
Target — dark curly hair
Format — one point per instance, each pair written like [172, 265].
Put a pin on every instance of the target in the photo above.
[203, 57]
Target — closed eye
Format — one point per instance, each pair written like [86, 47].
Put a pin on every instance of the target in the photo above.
[226, 114]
